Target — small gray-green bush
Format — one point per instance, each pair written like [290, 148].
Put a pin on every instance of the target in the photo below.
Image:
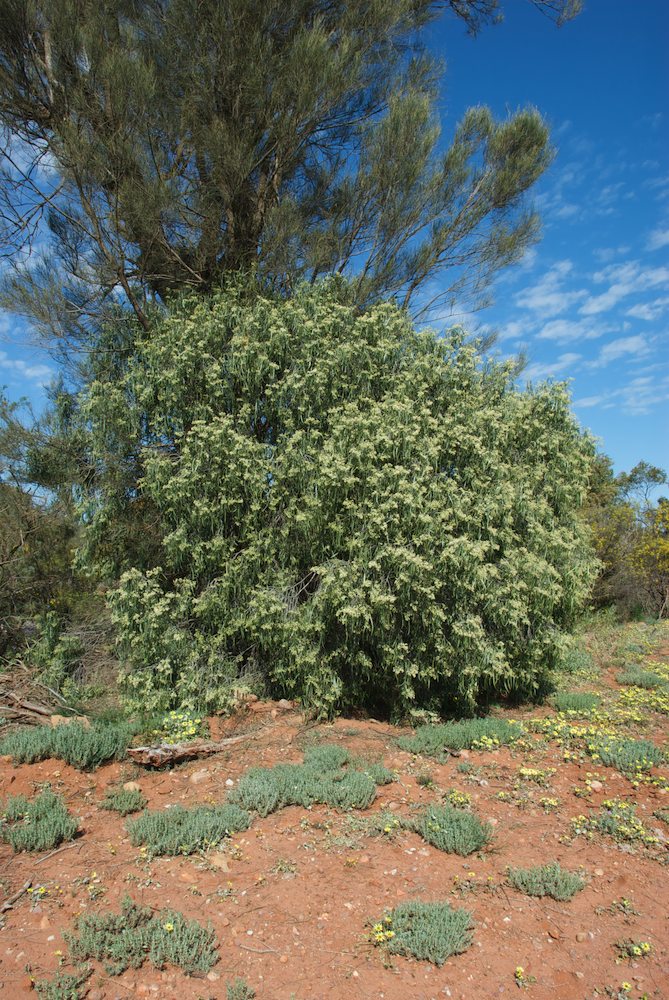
[572, 701]
[239, 990]
[635, 677]
[63, 986]
[430, 932]
[327, 776]
[628, 756]
[546, 880]
[83, 748]
[467, 734]
[123, 800]
[452, 830]
[137, 933]
[184, 831]
[39, 825]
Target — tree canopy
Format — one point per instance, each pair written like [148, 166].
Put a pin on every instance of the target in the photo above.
[154, 146]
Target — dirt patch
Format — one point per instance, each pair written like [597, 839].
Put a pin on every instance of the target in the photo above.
[293, 898]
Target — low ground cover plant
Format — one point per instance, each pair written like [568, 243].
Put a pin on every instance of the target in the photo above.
[185, 831]
[430, 932]
[629, 756]
[239, 990]
[581, 703]
[546, 880]
[123, 801]
[618, 820]
[82, 747]
[451, 829]
[37, 825]
[636, 677]
[63, 986]
[326, 776]
[138, 933]
[468, 734]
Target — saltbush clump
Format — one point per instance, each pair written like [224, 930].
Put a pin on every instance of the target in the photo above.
[83, 747]
[546, 880]
[123, 801]
[452, 829]
[139, 933]
[327, 776]
[629, 756]
[579, 703]
[363, 513]
[430, 932]
[39, 825]
[468, 734]
[636, 677]
[185, 831]
[63, 986]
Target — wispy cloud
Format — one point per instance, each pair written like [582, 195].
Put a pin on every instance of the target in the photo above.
[548, 296]
[36, 373]
[638, 398]
[658, 238]
[623, 279]
[565, 331]
[538, 371]
[649, 310]
[635, 347]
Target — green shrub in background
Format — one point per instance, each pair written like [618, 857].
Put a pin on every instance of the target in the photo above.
[360, 513]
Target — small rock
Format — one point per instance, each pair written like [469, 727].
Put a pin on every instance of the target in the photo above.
[598, 871]
[229, 782]
[581, 936]
[283, 959]
[555, 934]
[596, 786]
[198, 777]
[213, 977]
[285, 705]
[132, 786]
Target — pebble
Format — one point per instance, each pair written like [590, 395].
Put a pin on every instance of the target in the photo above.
[213, 976]
[132, 786]
[198, 777]
[581, 936]
[596, 786]
[599, 871]
[229, 782]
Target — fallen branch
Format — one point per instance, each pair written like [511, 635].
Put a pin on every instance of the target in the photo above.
[25, 705]
[8, 903]
[167, 753]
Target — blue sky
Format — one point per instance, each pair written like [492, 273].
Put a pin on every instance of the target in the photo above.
[590, 302]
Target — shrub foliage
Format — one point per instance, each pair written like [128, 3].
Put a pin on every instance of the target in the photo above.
[37, 825]
[361, 512]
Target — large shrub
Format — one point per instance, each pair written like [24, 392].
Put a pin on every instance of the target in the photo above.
[363, 513]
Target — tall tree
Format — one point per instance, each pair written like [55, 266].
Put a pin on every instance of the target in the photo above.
[154, 145]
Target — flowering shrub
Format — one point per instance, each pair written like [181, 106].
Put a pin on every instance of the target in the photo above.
[362, 513]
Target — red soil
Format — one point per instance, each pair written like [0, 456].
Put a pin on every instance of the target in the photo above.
[291, 901]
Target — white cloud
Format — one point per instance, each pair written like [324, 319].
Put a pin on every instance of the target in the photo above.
[648, 310]
[565, 331]
[658, 238]
[625, 279]
[539, 371]
[548, 297]
[34, 372]
[637, 347]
